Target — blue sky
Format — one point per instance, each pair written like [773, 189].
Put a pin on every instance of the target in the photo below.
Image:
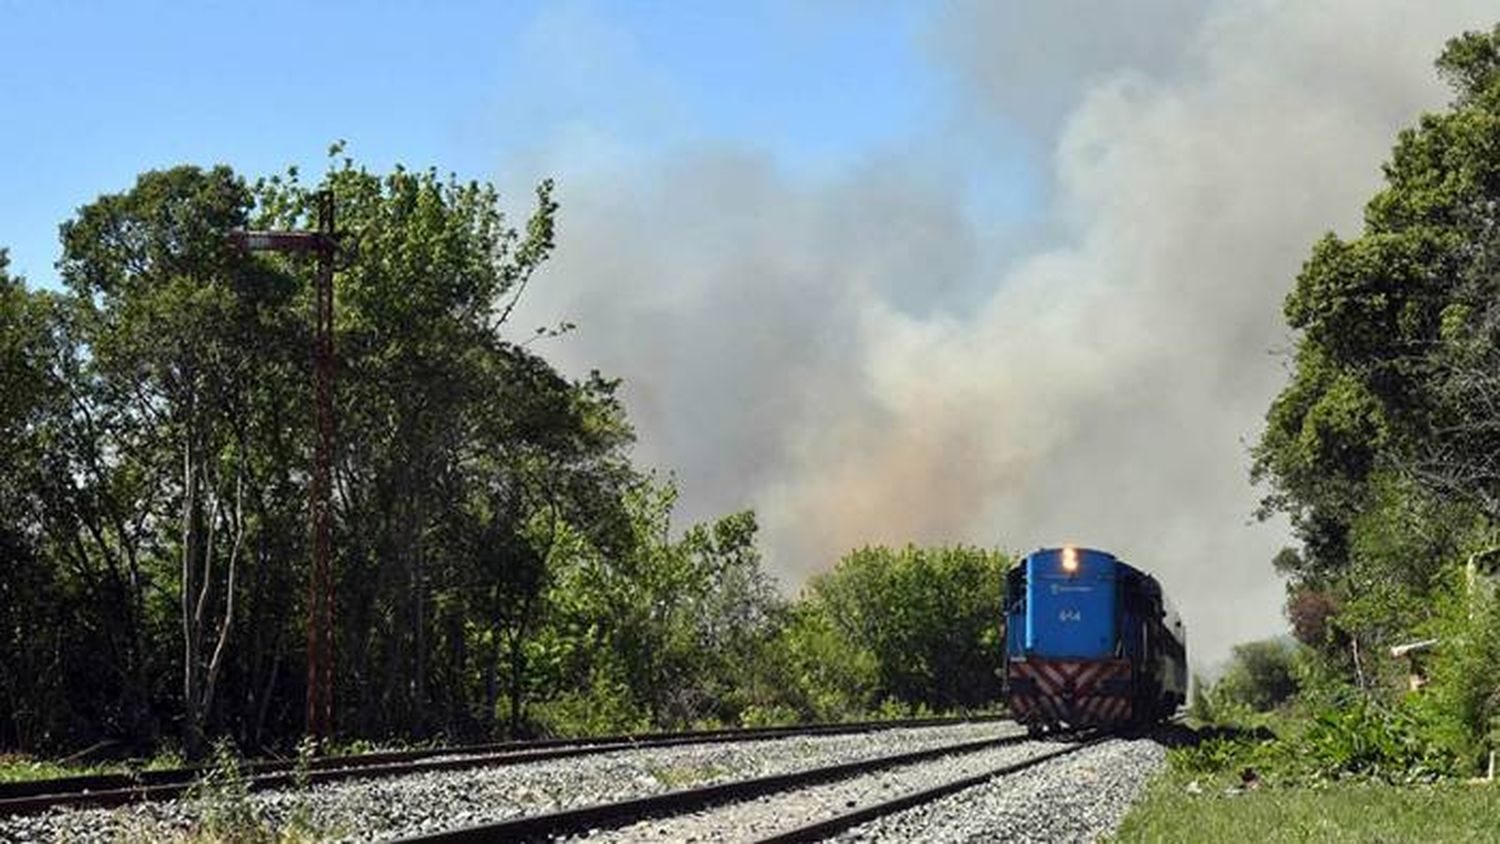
[93, 93]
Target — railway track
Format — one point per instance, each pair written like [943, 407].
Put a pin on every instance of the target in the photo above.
[108, 790]
[591, 819]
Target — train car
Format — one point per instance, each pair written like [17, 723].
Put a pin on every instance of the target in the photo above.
[1090, 641]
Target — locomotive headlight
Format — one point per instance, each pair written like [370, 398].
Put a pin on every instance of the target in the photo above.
[1070, 559]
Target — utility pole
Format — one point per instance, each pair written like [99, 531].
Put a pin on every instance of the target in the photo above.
[323, 243]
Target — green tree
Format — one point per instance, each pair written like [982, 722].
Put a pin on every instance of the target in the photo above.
[549, 471]
[33, 701]
[155, 466]
[463, 458]
[1382, 448]
[497, 553]
[929, 619]
[182, 335]
[665, 630]
[1260, 675]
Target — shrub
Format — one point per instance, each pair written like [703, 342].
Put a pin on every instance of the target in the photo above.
[1261, 675]
[226, 812]
[1365, 740]
[605, 707]
[774, 715]
[1359, 739]
[1461, 704]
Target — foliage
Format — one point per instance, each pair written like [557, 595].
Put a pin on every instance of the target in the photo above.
[226, 812]
[25, 768]
[916, 625]
[1393, 328]
[153, 478]
[1384, 449]
[300, 821]
[1260, 675]
[462, 454]
[222, 797]
[695, 635]
[774, 715]
[668, 632]
[1364, 741]
[599, 708]
[1209, 705]
[34, 627]
[1359, 739]
[501, 567]
[1461, 703]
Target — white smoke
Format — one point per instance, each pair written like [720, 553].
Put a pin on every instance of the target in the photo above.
[851, 357]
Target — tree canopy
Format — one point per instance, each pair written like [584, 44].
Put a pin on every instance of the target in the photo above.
[501, 565]
[1384, 448]
[1398, 330]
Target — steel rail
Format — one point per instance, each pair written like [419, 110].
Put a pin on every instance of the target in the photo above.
[118, 789]
[621, 813]
[819, 830]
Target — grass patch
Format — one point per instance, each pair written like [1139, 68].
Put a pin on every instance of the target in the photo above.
[1351, 775]
[18, 767]
[681, 776]
[1337, 811]
[25, 769]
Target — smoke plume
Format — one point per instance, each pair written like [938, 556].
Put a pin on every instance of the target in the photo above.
[855, 357]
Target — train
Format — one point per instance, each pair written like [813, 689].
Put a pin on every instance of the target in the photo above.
[1090, 641]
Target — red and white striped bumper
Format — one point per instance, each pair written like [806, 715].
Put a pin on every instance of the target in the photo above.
[1080, 693]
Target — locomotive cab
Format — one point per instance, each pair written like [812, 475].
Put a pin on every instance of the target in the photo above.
[1089, 641]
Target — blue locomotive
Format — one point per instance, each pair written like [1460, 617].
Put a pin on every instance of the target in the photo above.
[1090, 641]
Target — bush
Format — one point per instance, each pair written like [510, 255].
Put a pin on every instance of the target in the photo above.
[774, 715]
[892, 709]
[1218, 754]
[1211, 705]
[918, 624]
[605, 707]
[1364, 740]
[1359, 739]
[226, 812]
[1261, 675]
[1461, 704]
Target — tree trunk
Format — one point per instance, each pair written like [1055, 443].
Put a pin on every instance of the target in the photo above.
[192, 736]
[265, 701]
[517, 672]
[419, 639]
[491, 681]
[200, 534]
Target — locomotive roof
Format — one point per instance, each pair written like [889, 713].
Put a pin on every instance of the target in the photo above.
[1129, 569]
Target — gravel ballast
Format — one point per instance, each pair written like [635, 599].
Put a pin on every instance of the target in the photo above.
[401, 806]
[1080, 797]
[765, 816]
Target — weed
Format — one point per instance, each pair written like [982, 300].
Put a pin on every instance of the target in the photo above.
[300, 817]
[225, 810]
[1365, 741]
[226, 813]
[679, 776]
[774, 715]
[166, 757]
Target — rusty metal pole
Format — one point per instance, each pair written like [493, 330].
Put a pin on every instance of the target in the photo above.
[320, 591]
